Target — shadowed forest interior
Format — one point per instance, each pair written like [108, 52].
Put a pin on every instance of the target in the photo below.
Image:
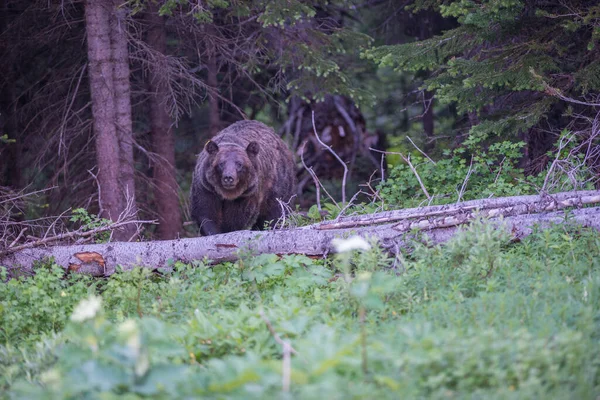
[104, 105]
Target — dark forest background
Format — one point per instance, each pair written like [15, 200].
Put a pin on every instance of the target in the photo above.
[104, 104]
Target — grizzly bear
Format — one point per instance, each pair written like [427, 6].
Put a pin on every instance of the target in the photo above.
[239, 176]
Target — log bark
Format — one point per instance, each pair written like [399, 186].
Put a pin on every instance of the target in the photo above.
[313, 240]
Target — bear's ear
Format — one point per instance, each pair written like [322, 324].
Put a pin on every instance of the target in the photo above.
[211, 147]
[252, 148]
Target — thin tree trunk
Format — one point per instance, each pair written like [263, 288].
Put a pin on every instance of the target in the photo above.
[428, 121]
[213, 101]
[97, 17]
[9, 153]
[163, 138]
[122, 99]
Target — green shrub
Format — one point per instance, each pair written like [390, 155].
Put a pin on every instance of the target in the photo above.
[33, 305]
[492, 173]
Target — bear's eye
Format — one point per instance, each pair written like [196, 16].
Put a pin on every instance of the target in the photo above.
[221, 166]
[238, 165]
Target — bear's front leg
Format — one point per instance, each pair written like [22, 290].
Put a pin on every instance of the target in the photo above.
[239, 214]
[206, 210]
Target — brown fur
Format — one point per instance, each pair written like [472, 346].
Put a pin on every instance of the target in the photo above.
[239, 176]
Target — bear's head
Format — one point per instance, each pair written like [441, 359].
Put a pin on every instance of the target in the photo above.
[232, 168]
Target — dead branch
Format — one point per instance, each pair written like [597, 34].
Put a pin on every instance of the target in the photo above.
[579, 162]
[419, 150]
[316, 180]
[464, 185]
[79, 233]
[335, 155]
[274, 333]
[412, 168]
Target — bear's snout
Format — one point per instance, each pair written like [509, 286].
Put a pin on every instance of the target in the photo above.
[229, 176]
[228, 180]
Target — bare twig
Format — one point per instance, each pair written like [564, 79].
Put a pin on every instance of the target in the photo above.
[18, 237]
[412, 168]
[420, 151]
[363, 339]
[129, 213]
[273, 333]
[381, 168]
[499, 169]
[557, 93]
[346, 206]
[286, 373]
[318, 184]
[12, 199]
[374, 193]
[335, 155]
[285, 210]
[95, 177]
[581, 159]
[53, 224]
[464, 185]
[81, 232]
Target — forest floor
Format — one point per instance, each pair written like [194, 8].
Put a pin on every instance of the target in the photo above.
[481, 316]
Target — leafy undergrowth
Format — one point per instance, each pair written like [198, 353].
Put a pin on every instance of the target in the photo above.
[478, 317]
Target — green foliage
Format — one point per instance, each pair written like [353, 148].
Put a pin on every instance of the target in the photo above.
[423, 55]
[4, 139]
[89, 222]
[505, 61]
[492, 173]
[478, 317]
[33, 305]
[280, 14]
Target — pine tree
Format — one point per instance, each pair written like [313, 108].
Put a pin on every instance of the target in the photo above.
[513, 66]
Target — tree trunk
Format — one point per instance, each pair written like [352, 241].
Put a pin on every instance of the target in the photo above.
[10, 170]
[162, 136]
[122, 99]
[111, 109]
[214, 112]
[392, 229]
[9, 152]
[97, 16]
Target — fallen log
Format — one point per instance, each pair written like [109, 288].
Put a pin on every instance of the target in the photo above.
[490, 208]
[391, 228]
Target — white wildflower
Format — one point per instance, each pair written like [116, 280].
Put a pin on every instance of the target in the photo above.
[364, 276]
[87, 309]
[130, 331]
[352, 243]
